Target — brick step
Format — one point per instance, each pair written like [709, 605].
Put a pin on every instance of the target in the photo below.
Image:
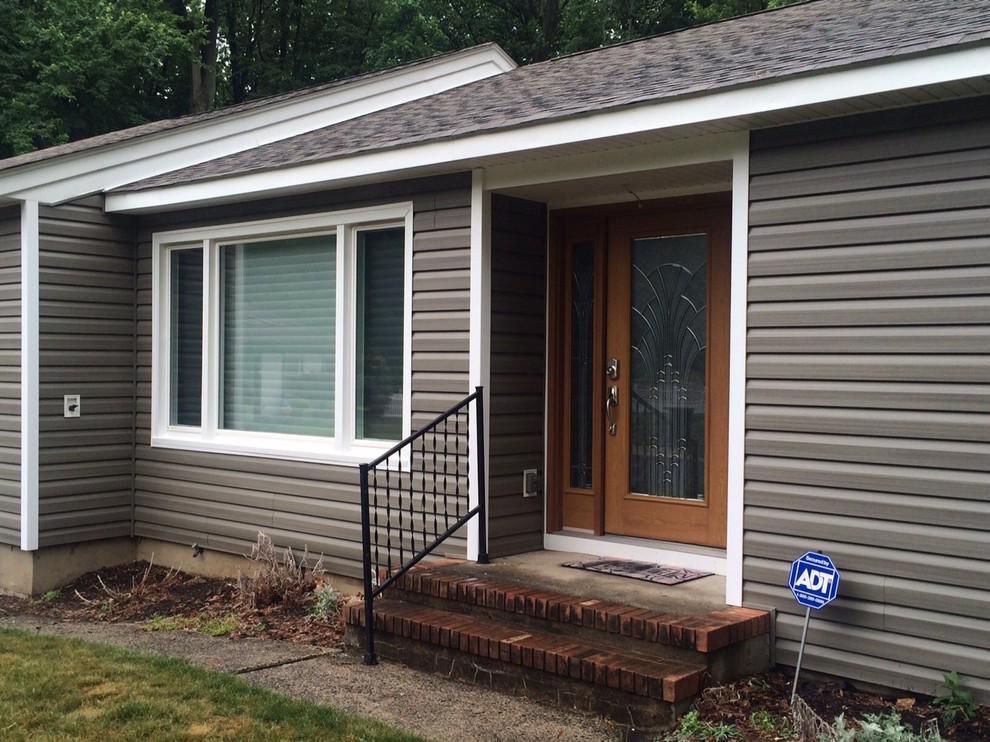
[704, 634]
[630, 688]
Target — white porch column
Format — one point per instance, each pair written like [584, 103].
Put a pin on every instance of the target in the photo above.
[737, 374]
[480, 322]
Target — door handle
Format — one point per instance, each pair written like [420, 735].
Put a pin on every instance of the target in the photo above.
[611, 401]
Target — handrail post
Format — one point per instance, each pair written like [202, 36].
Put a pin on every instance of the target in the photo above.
[370, 658]
[482, 489]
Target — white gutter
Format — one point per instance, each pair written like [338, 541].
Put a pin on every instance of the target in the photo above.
[102, 168]
[30, 365]
[807, 90]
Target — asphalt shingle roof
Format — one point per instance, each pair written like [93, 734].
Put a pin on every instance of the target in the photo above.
[157, 127]
[752, 50]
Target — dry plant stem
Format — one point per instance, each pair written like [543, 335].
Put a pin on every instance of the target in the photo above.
[284, 582]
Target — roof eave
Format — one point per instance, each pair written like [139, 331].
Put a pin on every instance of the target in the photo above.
[103, 168]
[739, 103]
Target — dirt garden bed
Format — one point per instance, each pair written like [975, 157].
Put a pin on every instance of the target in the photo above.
[756, 708]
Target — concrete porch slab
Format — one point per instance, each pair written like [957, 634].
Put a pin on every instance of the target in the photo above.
[542, 569]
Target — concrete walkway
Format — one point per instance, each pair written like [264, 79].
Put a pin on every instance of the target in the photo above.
[436, 708]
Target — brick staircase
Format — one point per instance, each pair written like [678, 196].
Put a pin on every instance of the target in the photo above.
[637, 666]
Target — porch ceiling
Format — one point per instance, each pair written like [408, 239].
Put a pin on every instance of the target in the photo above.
[671, 181]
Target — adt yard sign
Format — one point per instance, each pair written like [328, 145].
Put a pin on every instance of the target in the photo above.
[814, 580]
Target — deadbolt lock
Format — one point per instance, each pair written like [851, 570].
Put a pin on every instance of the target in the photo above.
[612, 368]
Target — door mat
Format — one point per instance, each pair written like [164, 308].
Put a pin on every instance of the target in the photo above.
[659, 573]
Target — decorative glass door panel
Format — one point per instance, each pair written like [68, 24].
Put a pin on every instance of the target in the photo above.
[666, 375]
[668, 331]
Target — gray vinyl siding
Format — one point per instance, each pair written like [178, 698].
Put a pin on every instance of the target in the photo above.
[10, 376]
[868, 390]
[518, 367]
[222, 501]
[86, 338]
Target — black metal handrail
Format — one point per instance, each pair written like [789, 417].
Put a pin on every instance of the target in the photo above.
[415, 496]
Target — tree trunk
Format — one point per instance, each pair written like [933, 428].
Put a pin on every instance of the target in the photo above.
[204, 66]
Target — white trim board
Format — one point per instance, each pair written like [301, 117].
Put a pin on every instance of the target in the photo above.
[436, 156]
[30, 364]
[614, 547]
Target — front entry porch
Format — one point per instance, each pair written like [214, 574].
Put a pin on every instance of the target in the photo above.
[635, 652]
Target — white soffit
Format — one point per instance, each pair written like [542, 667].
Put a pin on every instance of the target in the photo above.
[777, 100]
[100, 169]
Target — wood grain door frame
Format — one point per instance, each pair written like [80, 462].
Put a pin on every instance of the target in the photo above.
[567, 227]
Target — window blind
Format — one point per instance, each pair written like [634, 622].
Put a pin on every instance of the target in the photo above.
[380, 333]
[278, 329]
[186, 340]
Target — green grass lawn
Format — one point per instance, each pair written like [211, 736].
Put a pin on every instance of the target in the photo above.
[53, 688]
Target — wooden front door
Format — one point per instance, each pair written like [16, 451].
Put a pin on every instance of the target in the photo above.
[642, 369]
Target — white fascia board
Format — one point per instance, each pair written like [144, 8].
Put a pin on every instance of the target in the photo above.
[30, 364]
[64, 178]
[806, 90]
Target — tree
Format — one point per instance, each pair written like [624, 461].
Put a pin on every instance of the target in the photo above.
[279, 45]
[201, 26]
[74, 68]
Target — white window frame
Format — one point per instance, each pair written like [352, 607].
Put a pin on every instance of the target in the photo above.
[343, 447]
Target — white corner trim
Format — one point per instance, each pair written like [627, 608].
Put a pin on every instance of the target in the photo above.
[737, 376]
[480, 326]
[825, 86]
[30, 365]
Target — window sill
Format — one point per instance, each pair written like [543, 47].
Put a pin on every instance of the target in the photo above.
[302, 449]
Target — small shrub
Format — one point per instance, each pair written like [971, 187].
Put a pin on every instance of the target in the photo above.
[958, 703]
[877, 728]
[49, 596]
[328, 603]
[286, 581]
[769, 723]
[692, 728]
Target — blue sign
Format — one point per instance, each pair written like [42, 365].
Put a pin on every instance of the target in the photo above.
[814, 580]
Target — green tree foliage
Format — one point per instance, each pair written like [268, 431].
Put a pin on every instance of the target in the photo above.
[279, 45]
[75, 68]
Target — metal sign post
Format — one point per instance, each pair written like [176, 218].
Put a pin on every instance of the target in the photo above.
[814, 582]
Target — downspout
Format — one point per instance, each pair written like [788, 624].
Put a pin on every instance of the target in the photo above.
[30, 367]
